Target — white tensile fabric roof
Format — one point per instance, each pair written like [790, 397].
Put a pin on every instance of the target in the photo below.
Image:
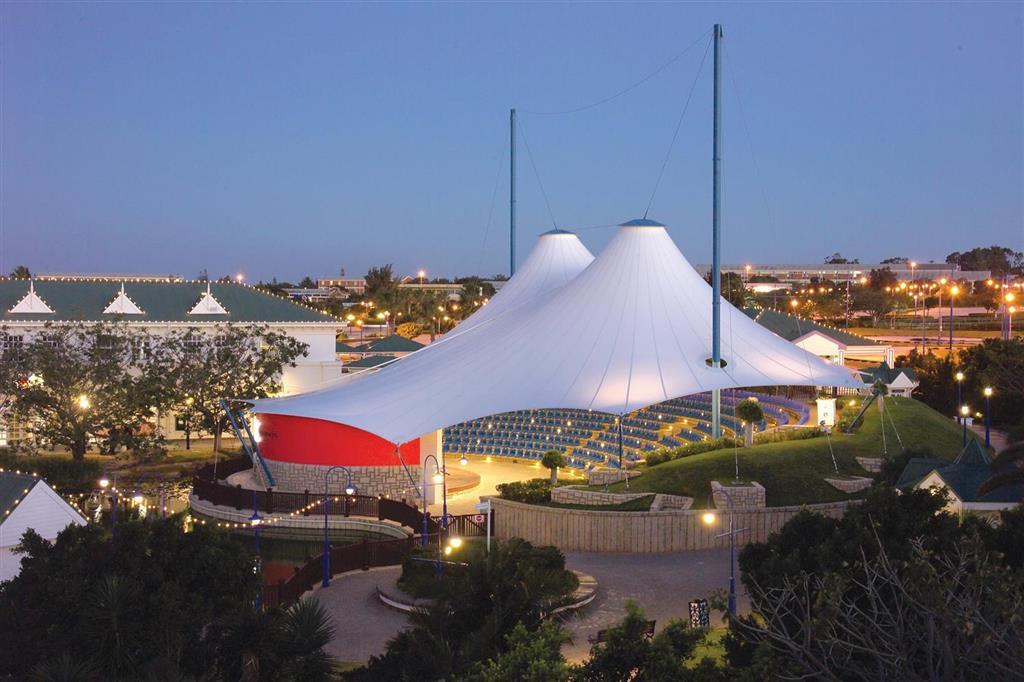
[633, 329]
[557, 258]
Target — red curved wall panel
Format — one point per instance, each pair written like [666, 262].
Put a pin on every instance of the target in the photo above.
[302, 440]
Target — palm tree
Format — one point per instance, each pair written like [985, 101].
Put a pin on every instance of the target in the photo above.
[306, 630]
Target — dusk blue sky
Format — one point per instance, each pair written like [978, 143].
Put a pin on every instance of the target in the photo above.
[287, 140]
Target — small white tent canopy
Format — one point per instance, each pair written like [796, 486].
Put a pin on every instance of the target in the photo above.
[632, 330]
[557, 258]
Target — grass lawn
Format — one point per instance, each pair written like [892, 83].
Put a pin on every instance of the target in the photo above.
[793, 472]
[931, 333]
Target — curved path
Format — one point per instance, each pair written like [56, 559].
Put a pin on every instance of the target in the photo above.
[663, 584]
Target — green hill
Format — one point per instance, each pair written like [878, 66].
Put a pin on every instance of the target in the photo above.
[793, 472]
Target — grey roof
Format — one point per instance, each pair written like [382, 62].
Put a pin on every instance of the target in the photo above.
[888, 374]
[84, 300]
[964, 475]
[13, 488]
[390, 344]
[791, 327]
[370, 361]
[342, 347]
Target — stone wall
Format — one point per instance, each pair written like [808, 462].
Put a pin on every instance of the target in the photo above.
[872, 464]
[741, 496]
[850, 485]
[572, 495]
[392, 481]
[638, 532]
[608, 476]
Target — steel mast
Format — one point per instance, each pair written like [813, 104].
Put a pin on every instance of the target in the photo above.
[716, 238]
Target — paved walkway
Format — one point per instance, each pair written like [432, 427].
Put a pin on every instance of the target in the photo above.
[663, 584]
[362, 625]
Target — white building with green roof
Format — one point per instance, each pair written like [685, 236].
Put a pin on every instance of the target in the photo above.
[157, 305]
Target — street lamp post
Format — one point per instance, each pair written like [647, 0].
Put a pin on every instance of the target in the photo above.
[953, 291]
[437, 478]
[105, 482]
[254, 522]
[709, 519]
[189, 401]
[988, 410]
[349, 490]
[964, 411]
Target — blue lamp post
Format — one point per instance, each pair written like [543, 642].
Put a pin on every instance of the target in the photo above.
[438, 478]
[959, 376]
[988, 410]
[254, 521]
[349, 490]
[709, 518]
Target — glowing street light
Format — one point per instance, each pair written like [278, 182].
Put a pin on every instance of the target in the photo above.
[239, 278]
[988, 409]
[83, 402]
[964, 413]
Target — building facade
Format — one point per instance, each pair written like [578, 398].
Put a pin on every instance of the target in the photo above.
[160, 306]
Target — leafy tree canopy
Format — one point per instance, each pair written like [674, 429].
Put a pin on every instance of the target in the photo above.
[998, 259]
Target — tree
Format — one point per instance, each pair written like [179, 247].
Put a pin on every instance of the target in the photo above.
[529, 657]
[20, 272]
[628, 654]
[881, 278]
[233, 361]
[307, 282]
[749, 410]
[474, 613]
[409, 330]
[895, 260]
[997, 364]
[838, 259]
[876, 303]
[999, 260]
[553, 459]
[380, 283]
[733, 288]
[71, 384]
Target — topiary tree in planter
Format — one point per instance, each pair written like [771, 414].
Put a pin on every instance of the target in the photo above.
[553, 459]
[750, 412]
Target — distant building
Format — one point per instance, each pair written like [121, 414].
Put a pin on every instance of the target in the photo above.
[842, 272]
[451, 290]
[353, 285]
[160, 306]
[961, 480]
[831, 343]
[317, 294]
[900, 381]
[26, 501]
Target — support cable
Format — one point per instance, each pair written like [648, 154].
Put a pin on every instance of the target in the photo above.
[679, 123]
[490, 211]
[630, 88]
[536, 174]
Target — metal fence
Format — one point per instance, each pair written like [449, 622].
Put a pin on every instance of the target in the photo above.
[210, 487]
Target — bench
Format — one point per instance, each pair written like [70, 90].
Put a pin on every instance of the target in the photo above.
[602, 635]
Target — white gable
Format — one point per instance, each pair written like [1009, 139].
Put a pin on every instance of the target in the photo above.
[31, 303]
[42, 510]
[123, 305]
[208, 305]
[903, 381]
[819, 344]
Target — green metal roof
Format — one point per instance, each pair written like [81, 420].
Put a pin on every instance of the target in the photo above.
[84, 300]
[370, 361]
[13, 487]
[963, 476]
[342, 347]
[391, 344]
[887, 374]
[791, 327]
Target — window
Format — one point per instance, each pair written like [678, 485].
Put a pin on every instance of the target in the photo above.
[194, 342]
[11, 343]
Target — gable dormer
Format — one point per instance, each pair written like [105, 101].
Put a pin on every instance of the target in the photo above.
[208, 305]
[32, 303]
[123, 305]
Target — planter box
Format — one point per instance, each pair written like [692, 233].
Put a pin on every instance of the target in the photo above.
[742, 496]
[872, 464]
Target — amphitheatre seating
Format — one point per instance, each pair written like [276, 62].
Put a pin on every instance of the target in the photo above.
[592, 438]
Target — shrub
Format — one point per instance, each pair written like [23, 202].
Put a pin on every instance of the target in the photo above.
[65, 473]
[782, 435]
[534, 491]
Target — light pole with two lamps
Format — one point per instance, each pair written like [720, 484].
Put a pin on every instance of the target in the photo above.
[350, 489]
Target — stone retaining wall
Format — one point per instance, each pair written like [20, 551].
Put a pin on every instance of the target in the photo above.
[638, 532]
[872, 464]
[370, 480]
[739, 496]
[572, 495]
[850, 485]
[606, 477]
